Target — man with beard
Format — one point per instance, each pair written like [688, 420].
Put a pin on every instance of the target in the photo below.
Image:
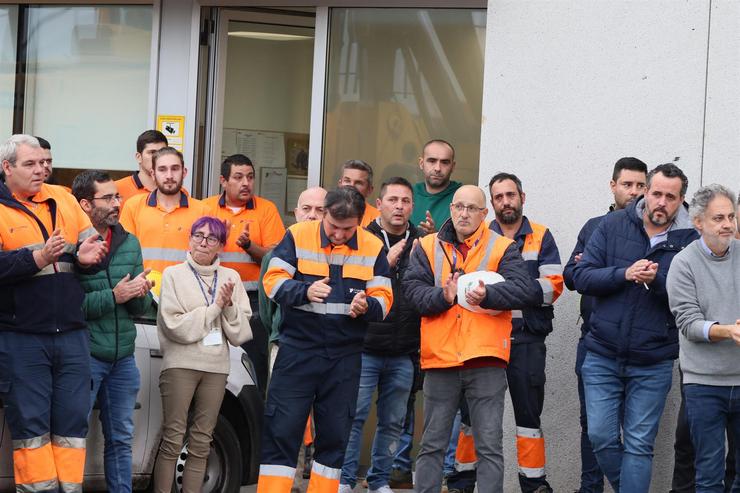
[529, 326]
[254, 227]
[627, 183]
[633, 340]
[703, 294]
[113, 296]
[432, 197]
[161, 219]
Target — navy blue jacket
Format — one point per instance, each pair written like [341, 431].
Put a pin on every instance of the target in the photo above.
[587, 302]
[629, 322]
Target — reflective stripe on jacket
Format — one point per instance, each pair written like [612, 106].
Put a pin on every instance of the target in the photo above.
[450, 334]
[306, 255]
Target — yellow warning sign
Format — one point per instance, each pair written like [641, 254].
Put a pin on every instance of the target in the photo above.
[173, 127]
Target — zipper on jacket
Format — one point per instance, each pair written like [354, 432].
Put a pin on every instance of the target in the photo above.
[115, 312]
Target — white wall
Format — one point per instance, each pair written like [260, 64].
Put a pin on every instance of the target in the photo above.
[569, 88]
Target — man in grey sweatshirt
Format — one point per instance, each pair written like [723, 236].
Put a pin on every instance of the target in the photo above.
[704, 294]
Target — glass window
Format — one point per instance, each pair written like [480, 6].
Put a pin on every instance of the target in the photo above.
[8, 37]
[398, 78]
[87, 85]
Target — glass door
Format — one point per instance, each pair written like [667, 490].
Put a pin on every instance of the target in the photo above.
[262, 100]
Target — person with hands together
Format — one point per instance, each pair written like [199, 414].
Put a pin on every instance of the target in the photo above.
[203, 308]
[703, 296]
[464, 351]
[46, 240]
[114, 296]
[390, 352]
[633, 340]
[330, 278]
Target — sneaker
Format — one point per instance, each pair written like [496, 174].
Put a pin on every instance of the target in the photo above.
[382, 489]
[401, 480]
[462, 490]
[344, 488]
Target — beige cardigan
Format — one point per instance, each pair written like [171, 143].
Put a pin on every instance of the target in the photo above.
[183, 319]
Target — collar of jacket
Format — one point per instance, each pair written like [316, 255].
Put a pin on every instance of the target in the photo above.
[325, 241]
[448, 235]
[682, 220]
[375, 228]
[524, 229]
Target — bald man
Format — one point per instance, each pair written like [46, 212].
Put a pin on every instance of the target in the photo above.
[465, 339]
[310, 205]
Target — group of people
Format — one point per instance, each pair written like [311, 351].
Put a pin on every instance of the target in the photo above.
[418, 292]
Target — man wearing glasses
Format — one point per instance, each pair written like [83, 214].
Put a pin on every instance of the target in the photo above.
[526, 370]
[113, 296]
[465, 342]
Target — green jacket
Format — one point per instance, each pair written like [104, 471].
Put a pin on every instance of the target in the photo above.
[269, 310]
[112, 329]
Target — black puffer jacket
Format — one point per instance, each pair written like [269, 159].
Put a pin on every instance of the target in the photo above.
[398, 334]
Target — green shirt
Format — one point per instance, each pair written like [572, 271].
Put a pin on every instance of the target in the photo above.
[438, 204]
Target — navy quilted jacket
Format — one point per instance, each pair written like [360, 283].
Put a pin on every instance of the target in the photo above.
[629, 322]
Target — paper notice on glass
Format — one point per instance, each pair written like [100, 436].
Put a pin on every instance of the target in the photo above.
[272, 186]
[228, 142]
[263, 148]
[296, 186]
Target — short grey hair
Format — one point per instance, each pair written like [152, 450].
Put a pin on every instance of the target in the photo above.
[705, 195]
[9, 148]
[360, 165]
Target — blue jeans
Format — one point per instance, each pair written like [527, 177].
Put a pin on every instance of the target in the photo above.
[115, 385]
[392, 376]
[592, 479]
[711, 411]
[640, 393]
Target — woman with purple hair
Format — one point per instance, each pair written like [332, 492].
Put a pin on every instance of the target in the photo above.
[203, 308]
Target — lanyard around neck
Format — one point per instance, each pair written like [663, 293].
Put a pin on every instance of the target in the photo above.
[201, 282]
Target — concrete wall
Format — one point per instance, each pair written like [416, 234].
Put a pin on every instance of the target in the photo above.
[569, 88]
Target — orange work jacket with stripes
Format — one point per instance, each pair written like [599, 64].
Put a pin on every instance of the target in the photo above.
[540, 253]
[451, 334]
[37, 300]
[164, 235]
[371, 213]
[265, 229]
[305, 255]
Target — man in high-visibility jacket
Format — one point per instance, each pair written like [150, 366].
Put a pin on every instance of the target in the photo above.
[526, 370]
[45, 238]
[465, 349]
[359, 174]
[161, 219]
[254, 227]
[331, 278]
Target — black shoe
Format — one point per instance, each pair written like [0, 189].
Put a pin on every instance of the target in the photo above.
[401, 480]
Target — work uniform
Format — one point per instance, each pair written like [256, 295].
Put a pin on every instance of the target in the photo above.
[464, 350]
[164, 236]
[371, 213]
[265, 229]
[318, 364]
[44, 354]
[131, 185]
[526, 370]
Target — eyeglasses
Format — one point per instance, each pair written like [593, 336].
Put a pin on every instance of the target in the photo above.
[472, 209]
[210, 239]
[109, 198]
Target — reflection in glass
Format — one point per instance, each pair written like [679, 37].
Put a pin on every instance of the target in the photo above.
[87, 87]
[8, 37]
[398, 78]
